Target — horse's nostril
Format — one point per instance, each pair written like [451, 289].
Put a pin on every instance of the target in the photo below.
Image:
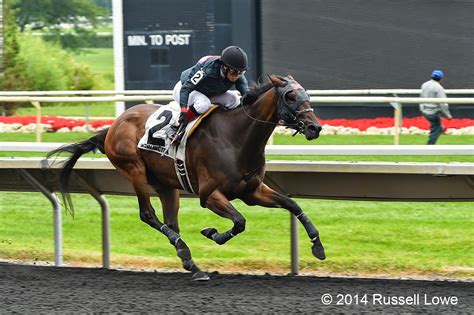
[314, 128]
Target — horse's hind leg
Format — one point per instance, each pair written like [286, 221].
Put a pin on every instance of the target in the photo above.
[267, 197]
[137, 177]
[219, 204]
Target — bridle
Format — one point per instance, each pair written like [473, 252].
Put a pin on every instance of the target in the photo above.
[288, 109]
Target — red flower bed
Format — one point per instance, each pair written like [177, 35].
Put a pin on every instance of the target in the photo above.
[387, 122]
[55, 122]
[361, 124]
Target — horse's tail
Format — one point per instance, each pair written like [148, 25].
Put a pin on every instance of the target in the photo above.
[76, 150]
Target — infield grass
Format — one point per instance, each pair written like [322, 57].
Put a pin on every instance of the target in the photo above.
[361, 238]
[100, 60]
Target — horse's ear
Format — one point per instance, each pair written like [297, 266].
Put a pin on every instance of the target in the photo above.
[276, 81]
[290, 76]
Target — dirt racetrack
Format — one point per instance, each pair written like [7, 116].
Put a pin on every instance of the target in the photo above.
[28, 289]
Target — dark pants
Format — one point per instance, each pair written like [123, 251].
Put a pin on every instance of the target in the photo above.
[435, 127]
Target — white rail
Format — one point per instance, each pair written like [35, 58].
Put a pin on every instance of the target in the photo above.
[36, 102]
[383, 92]
[82, 99]
[315, 99]
[86, 92]
[387, 99]
[169, 92]
[394, 101]
[296, 149]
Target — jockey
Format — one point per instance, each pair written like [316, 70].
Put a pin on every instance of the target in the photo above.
[209, 82]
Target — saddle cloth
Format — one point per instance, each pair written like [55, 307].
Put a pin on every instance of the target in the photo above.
[157, 128]
[156, 138]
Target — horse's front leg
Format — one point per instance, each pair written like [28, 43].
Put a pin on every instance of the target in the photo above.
[220, 205]
[170, 203]
[267, 197]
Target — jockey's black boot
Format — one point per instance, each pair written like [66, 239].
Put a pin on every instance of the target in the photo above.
[180, 136]
[172, 133]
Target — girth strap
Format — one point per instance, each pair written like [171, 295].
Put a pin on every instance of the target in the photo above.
[183, 176]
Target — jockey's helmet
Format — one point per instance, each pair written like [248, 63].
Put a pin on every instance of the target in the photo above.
[437, 74]
[235, 58]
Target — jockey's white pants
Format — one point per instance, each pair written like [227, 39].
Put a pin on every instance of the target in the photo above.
[202, 103]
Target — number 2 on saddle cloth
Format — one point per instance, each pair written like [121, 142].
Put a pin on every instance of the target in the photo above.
[165, 118]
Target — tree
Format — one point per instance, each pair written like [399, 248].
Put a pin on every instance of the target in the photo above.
[14, 71]
[31, 64]
[51, 14]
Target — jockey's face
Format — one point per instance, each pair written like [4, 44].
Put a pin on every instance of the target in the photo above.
[232, 74]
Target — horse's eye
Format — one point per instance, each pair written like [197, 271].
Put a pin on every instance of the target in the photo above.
[290, 96]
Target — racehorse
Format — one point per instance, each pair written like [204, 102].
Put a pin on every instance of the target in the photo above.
[225, 159]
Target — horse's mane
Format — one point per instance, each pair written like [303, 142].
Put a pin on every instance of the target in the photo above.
[255, 91]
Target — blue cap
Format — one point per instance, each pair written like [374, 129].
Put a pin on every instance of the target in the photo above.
[437, 74]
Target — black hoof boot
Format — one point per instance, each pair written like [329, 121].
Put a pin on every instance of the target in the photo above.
[318, 250]
[209, 232]
[200, 276]
[182, 250]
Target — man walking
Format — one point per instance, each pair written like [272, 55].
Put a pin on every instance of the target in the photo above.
[434, 112]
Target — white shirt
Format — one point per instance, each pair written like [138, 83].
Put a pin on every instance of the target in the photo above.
[433, 89]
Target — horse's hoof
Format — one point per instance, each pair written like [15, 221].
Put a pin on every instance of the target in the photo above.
[318, 251]
[208, 232]
[200, 276]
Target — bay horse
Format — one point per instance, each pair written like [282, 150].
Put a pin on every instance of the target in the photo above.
[225, 159]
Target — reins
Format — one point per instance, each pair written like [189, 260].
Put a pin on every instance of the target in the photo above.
[298, 126]
[255, 119]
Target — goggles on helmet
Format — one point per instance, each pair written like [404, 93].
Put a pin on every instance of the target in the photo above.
[234, 71]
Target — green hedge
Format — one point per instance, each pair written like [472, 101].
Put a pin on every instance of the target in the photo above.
[48, 67]
[37, 65]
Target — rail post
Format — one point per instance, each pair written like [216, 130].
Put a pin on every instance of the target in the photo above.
[105, 215]
[57, 215]
[397, 120]
[294, 244]
[37, 105]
